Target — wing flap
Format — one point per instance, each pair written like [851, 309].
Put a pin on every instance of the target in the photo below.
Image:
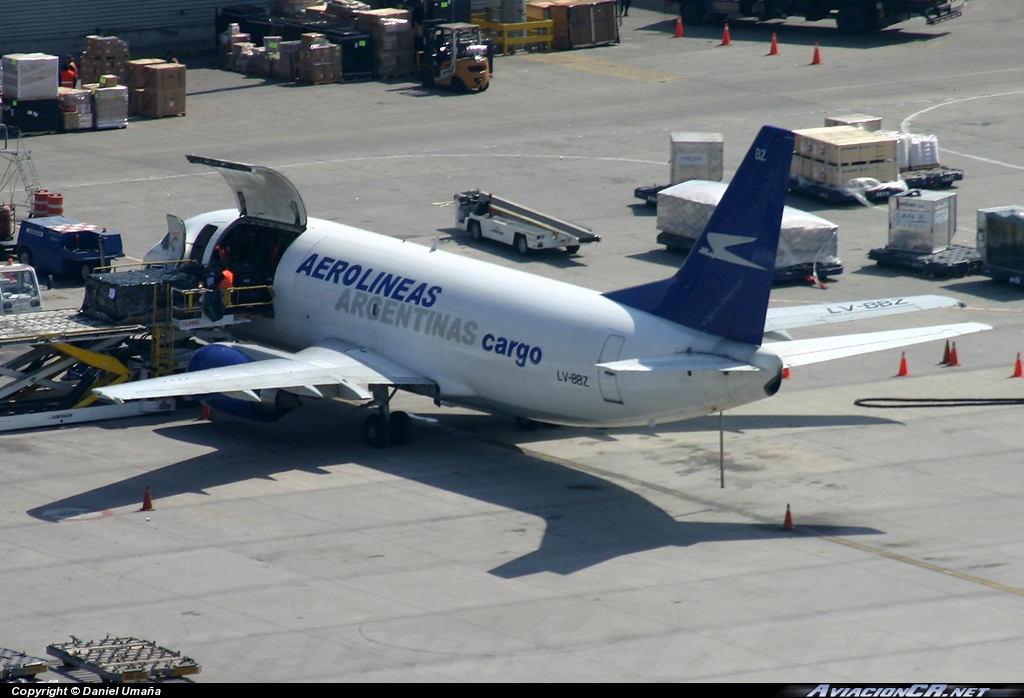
[803, 352]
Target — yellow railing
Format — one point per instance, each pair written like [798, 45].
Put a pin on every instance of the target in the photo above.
[536, 33]
[190, 301]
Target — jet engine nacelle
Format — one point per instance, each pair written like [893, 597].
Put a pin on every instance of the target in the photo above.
[273, 404]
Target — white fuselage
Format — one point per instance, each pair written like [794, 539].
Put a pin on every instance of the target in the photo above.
[496, 338]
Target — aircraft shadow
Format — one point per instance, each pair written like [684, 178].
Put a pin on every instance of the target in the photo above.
[660, 256]
[588, 520]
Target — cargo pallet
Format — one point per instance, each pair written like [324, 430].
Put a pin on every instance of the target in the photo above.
[840, 195]
[954, 262]
[18, 665]
[120, 659]
[932, 177]
[800, 272]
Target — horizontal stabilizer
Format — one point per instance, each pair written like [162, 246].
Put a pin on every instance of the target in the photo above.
[826, 313]
[677, 363]
[802, 352]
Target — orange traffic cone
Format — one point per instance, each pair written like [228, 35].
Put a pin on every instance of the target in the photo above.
[817, 55]
[904, 371]
[945, 355]
[953, 360]
[204, 414]
[726, 40]
[787, 524]
[786, 373]
[774, 50]
[1018, 370]
[679, 27]
[147, 500]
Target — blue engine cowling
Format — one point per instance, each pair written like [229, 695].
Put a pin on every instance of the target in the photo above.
[273, 404]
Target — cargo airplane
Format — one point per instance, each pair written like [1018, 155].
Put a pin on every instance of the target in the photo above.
[358, 316]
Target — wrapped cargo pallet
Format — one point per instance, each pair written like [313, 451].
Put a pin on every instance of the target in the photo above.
[29, 76]
[915, 151]
[685, 209]
[129, 296]
[110, 106]
[75, 108]
[1001, 238]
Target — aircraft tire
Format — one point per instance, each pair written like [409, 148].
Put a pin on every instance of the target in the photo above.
[401, 428]
[376, 431]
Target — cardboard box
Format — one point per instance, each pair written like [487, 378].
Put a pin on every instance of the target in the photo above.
[137, 76]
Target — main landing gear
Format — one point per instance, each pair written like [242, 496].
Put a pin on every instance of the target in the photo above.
[385, 427]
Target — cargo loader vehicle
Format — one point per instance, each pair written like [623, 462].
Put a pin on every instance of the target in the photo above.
[485, 215]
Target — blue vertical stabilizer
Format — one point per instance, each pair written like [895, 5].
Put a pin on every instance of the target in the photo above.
[723, 286]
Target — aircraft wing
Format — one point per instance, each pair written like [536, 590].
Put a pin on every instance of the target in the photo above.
[779, 319]
[346, 369]
[801, 352]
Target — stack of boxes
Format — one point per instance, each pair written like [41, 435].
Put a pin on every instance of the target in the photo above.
[286, 65]
[394, 54]
[159, 89]
[30, 92]
[836, 154]
[226, 46]
[577, 23]
[104, 55]
[319, 60]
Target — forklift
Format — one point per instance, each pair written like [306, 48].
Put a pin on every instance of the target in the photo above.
[454, 55]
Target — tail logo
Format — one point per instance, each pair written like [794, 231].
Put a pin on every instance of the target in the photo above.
[718, 245]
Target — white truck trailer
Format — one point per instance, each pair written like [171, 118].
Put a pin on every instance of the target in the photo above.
[485, 215]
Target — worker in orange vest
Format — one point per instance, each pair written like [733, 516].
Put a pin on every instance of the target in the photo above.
[68, 72]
